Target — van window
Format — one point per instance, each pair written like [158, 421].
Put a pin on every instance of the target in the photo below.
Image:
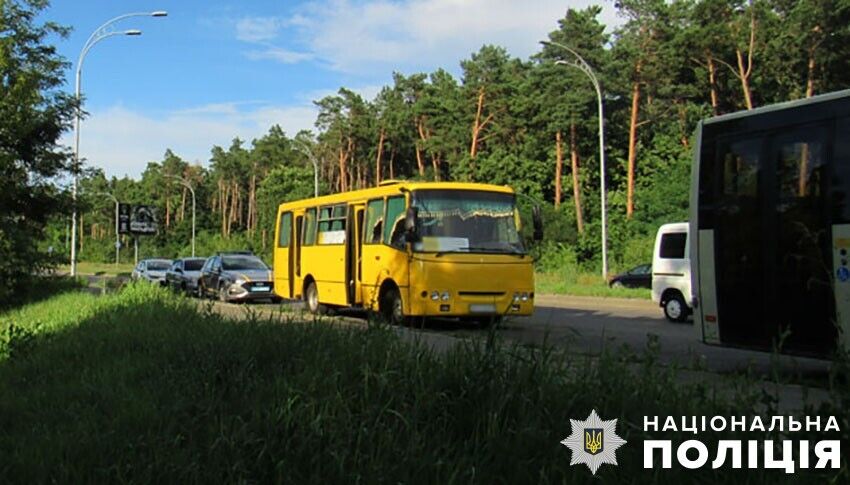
[673, 245]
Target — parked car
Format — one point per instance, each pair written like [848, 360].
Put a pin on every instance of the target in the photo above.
[671, 271]
[151, 270]
[236, 276]
[637, 277]
[183, 275]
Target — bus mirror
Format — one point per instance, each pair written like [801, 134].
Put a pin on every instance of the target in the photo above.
[537, 219]
[410, 223]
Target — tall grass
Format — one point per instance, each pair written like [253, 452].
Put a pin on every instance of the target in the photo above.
[144, 386]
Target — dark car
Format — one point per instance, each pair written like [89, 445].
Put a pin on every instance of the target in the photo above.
[237, 276]
[637, 277]
[183, 275]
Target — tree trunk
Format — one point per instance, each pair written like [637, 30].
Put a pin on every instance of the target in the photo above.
[392, 164]
[810, 81]
[378, 158]
[420, 164]
[576, 179]
[476, 125]
[633, 120]
[712, 83]
[744, 72]
[183, 205]
[167, 207]
[558, 167]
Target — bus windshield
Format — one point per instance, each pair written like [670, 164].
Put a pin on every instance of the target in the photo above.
[466, 221]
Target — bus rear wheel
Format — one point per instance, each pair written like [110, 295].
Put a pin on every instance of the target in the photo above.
[311, 296]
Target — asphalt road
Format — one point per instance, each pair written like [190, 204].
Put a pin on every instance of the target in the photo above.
[590, 325]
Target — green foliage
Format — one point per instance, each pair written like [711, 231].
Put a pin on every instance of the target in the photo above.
[33, 115]
[146, 386]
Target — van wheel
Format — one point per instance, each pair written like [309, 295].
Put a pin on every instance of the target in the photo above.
[675, 309]
[311, 296]
[392, 308]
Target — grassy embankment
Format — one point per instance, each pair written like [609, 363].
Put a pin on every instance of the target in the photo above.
[145, 386]
[582, 284]
[89, 268]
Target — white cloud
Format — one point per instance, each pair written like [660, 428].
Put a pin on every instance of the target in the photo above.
[257, 29]
[360, 36]
[281, 55]
[122, 141]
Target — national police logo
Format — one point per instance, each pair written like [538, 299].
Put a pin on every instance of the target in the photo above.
[593, 442]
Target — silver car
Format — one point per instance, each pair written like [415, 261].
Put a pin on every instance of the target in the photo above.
[238, 276]
[151, 270]
[183, 275]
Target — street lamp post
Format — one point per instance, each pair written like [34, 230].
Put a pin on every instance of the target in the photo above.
[117, 237]
[186, 184]
[102, 32]
[583, 66]
[303, 148]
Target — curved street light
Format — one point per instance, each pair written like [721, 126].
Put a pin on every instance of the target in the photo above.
[186, 184]
[303, 148]
[583, 66]
[103, 32]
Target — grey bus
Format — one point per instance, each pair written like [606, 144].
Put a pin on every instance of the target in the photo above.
[770, 227]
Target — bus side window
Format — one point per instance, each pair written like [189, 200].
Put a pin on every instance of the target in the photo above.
[374, 227]
[284, 230]
[309, 227]
[394, 229]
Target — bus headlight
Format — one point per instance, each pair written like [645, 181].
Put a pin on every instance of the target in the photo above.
[524, 296]
[435, 295]
[516, 296]
[446, 296]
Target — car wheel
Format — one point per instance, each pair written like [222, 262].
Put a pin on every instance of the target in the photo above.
[675, 309]
[311, 296]
[617, 284]
[222, 293]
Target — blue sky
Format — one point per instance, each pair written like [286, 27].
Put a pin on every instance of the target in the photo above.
[213, 70]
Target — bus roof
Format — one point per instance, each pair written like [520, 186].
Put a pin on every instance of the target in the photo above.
[821, 98]
[396, 187]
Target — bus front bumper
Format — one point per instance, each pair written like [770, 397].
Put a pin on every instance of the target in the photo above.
[469, 304]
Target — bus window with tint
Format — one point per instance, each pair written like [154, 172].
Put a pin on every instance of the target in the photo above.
[374, 226]
[394, 229]
[285, 230]
[309, 227]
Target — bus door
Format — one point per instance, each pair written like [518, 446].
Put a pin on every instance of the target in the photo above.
[295, 257]
[799, 260]
[354, 253]
[282, 266]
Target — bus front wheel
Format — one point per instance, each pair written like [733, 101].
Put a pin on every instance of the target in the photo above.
[392, 308]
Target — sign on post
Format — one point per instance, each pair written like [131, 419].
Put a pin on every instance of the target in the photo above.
[124, 218]
[143, 219]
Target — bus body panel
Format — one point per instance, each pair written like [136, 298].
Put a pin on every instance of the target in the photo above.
[475, 284]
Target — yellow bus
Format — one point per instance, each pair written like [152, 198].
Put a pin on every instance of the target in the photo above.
[407, 249]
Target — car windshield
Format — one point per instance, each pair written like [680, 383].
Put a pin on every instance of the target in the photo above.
[242, 262]
[466, 221]
[159, 265]
[193, 264]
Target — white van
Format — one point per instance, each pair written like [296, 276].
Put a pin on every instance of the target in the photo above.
[671, 271]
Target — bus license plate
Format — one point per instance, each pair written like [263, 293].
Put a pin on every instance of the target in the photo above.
[482, 308]
[260, 288]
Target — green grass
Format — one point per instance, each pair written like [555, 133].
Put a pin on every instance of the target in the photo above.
[85, 267]
[144, 386]
[583, 284]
